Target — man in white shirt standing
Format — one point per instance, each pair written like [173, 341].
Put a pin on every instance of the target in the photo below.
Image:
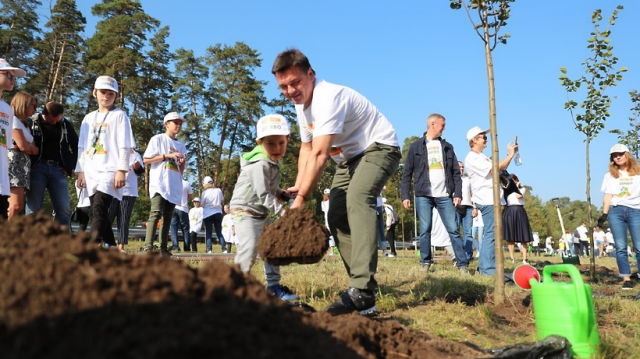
[480, 169]
[432, 166]
[336, 121]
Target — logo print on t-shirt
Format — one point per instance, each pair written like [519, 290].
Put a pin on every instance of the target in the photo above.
[3, 138]
[625, 183]
[335, 151]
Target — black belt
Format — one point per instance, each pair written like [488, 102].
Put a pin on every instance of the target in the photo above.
[52, 163]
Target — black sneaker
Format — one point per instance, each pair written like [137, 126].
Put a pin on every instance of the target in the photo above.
[165, 252]
[354, 300]
[627, 285]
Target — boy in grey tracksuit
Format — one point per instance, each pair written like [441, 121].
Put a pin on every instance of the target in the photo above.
[256, 197]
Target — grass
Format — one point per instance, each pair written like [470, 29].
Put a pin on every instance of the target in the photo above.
[445, 304]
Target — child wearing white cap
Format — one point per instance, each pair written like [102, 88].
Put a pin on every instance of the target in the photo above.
[166, 156]
[211, 201]
[8, 76]
[104, 149]
[195, 224]
[257, 195]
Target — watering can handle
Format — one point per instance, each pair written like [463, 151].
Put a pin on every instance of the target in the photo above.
[576, 278]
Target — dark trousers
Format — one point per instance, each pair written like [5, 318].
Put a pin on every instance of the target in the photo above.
[193, 242]
[4, 207]
[83, 217]
[100, 225]
[122, 210]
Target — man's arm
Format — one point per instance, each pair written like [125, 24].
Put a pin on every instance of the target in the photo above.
[311, 163]
[511, 151]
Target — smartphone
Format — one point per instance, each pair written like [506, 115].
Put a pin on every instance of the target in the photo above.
[515, 141]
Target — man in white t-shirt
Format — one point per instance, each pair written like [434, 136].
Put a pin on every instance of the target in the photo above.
[432, 166]
[166, 155]
[336, 121]
[582, 239]
[480, 170]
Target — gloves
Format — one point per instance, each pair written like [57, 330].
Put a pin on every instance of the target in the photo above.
[602, 219]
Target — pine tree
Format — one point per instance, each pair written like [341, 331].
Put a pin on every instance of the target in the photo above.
[191, 74]
[19, 32]
[115, 49]
[58, 63]
[236, 99]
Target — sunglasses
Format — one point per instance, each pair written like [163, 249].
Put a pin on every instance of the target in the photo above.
[484, 137]
[617, 154]
[9, 75]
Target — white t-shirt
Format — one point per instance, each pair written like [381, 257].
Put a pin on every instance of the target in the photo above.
[625, 189]
[478, 166]
[165, 177]
[439, 235]
[599, 236]
[549, 241]
[131, 186]
[18, 125]
[227, 233]
[536, 240]
[437, 186]
[609, 237]
[341, 111]
[211, 201]
[186, 191]
[195, 219]
[582, 231]
[6, 139]
[466, 192]
[513, 200]
[477, 220]
[101, 158]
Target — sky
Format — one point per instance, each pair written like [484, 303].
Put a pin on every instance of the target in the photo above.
[418, 57]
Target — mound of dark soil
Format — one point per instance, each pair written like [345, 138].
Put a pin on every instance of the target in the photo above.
[63, 297]
[297, 237]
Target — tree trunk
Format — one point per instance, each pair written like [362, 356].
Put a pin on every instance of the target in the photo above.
[498, 295]
[592, 258]
[57, 71]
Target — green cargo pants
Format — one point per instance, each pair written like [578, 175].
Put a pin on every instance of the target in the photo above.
[352, 210]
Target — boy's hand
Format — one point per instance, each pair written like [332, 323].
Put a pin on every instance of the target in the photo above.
[285, 196]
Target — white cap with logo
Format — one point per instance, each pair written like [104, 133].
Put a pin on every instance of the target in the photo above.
[207, 180]
[173, 116]
[619, 148]
[473, 132]
[17, 72]
[197, 199]
[272, 125]
[106, 83]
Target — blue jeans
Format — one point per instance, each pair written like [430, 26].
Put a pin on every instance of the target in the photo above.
[180, 219]
[444, 205]
[477, 233]
[464, 218]
[487, 259]
[214, 220]
[53, 179]
[622, 218]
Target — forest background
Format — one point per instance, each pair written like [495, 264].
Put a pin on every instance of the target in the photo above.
[218, 93]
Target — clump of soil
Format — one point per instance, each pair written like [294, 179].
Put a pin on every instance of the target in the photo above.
[297, 237]
[63, 297]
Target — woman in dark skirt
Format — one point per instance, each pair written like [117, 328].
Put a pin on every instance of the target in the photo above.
[515, 222]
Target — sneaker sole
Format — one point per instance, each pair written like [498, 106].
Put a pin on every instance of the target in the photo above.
[369, 312]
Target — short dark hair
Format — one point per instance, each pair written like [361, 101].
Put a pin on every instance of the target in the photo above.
[53, 108]
[291, 58]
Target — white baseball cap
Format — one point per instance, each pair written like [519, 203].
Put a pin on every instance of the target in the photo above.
[173, 116]
[17, 72]
[617, 148]
[272, 125]
[326, 191]
[384, 200]
[207, 180]
[473, 132]
[197, 199]
[106, 83]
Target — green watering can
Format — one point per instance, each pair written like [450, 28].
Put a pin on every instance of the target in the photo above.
[566, 309]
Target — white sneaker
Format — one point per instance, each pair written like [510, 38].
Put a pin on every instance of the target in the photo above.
[209, 252]
[224, 252]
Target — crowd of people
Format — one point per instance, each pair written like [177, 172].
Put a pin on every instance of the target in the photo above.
[451, 196]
